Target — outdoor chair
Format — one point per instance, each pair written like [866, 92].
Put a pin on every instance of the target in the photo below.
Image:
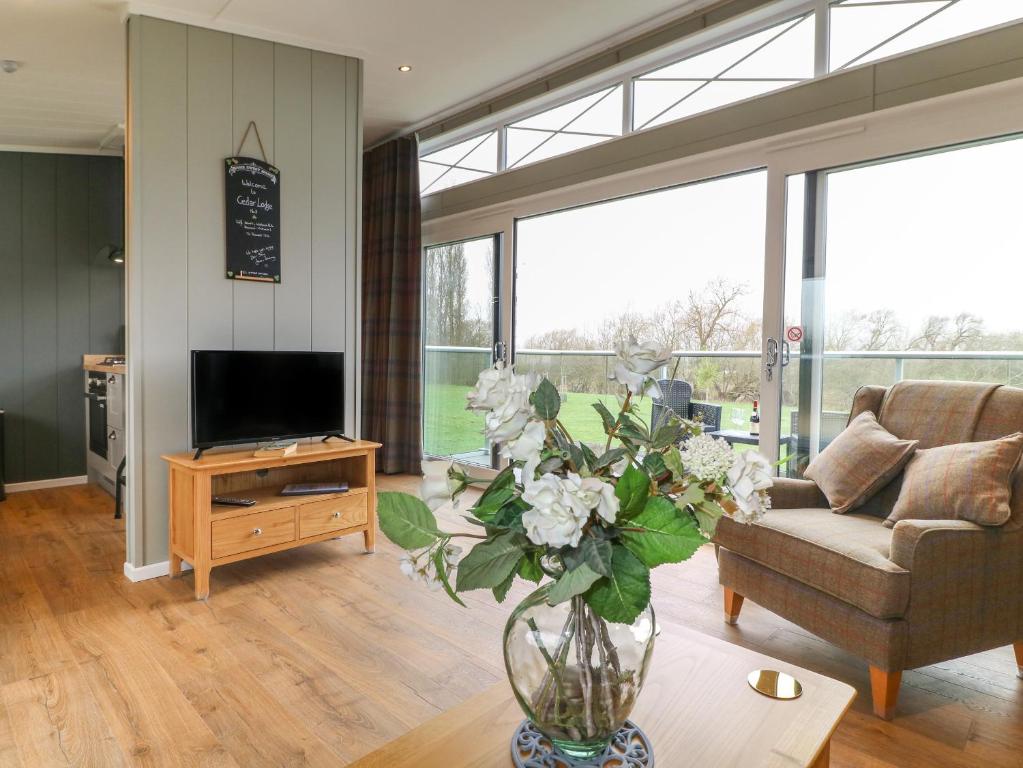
[678, 398]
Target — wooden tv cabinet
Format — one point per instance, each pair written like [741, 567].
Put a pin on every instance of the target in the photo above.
[207, 536]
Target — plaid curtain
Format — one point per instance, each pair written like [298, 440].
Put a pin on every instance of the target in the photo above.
[392, 267]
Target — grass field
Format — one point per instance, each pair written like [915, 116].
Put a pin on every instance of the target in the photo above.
[451, 429]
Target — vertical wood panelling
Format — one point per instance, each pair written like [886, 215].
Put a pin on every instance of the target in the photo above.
[210, 140]
[39, 279]
[11, 347]
[293, 150]
[307, 108]
[73, 299]
[106, 227]
[329, 136]
[254, 100]
[353, 243]
[161, 352]
[50, 282]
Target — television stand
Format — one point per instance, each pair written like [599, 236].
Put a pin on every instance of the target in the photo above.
[208, 535]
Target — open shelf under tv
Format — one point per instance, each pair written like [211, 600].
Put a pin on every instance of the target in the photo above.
[208, 535]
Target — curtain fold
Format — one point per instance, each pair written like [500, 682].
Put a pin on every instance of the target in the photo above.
[392, 264]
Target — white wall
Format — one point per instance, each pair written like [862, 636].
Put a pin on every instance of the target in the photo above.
[192, 92]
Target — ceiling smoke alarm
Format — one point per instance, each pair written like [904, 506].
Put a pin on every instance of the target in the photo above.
[9, 66]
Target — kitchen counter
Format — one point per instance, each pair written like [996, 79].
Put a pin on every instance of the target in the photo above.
[95, 363]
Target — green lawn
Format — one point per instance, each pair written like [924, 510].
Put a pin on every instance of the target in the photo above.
[451, 429]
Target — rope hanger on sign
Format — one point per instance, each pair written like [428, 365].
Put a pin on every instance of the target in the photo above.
[253, 127]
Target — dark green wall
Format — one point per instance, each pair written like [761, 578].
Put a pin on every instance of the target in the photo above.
[58, 301]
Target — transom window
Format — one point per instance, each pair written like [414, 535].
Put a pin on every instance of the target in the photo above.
[580, 123]
[730, 69]
[764, 61]
[867, 30]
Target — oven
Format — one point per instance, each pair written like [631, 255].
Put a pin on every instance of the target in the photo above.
[96, 392]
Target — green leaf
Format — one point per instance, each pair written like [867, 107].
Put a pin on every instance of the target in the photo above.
[654, 464]
[666, 535]
[605, 415]
[488, 564]
[589, 457]
[501, 590]
[596, 553]
[633, 429]
[505, 479]
[546, 401]
[510, 515]
[673, 461]
[623, 595]
[489, 505]
[529, 568]
[406, 520]
[572, 583]
[609, 458]
[693, 494]
[442, 573]
[632, 490]
[707, 518]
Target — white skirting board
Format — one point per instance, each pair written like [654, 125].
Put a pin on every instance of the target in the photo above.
[40, 485]
[153, 571]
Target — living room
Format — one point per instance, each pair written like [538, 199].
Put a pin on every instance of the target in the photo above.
[584, 384]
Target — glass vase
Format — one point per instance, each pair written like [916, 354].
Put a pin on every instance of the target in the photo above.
[575, 675]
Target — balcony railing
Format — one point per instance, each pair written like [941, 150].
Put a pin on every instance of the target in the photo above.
[730, 378]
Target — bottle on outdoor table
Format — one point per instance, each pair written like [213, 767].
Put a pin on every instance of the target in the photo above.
[754, 419]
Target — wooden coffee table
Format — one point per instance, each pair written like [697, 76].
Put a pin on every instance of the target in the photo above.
[696, 707]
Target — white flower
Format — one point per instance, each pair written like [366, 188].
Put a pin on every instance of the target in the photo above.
[557, 515]
[636, 360]
[504, 396]
[595, 494]
[419, 566]
[439, 486]
[528, 444]
[748, 480]
[707, 458]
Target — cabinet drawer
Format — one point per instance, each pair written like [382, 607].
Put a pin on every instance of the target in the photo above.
[318, 517]
[262, 529]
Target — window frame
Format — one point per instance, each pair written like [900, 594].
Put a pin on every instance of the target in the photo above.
[627, 73]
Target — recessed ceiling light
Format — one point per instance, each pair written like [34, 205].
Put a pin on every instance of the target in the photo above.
[404, 68]
[9, 66]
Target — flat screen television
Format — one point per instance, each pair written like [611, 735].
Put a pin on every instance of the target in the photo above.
[250, 397]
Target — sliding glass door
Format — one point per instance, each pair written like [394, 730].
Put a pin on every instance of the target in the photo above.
[898, 269]
[461, 322]
[682, 266]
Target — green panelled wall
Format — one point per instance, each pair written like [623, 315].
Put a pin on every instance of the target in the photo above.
[59, 300]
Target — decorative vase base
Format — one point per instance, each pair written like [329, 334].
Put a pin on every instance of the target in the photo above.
[630, 748]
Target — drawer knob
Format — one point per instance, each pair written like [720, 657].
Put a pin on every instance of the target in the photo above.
[257, 531]
[336, 515]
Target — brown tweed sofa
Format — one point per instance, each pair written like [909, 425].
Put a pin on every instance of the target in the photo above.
[924, 592]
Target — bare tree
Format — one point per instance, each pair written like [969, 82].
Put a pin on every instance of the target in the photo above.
[449, 317]
[934, 330]
[844, 331]
[712, 312]
[967, 330]
[615, 330]
[882, 330]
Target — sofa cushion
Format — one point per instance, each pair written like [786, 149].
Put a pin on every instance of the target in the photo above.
[934, 412]
[859, 462]
[964, 481]
[845, 556]
[1003, 415]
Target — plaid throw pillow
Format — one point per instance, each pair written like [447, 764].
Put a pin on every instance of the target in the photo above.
[962, 481]
[858, 463]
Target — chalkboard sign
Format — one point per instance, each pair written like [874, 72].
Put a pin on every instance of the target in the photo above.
[253, 192]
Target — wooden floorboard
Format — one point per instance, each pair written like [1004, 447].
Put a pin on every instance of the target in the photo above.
[317, 656]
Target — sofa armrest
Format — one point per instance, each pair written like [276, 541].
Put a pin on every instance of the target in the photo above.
[915, 541]
[964, 594]
[789, 493]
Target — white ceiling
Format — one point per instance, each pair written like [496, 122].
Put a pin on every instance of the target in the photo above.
[70, 89]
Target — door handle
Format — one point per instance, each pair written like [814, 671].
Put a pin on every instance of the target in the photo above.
[500, 352]
[771, 357]
[785, 354]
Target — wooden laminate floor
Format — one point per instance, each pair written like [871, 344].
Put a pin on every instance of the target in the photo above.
[319, 655]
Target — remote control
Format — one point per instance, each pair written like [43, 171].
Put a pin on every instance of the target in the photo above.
[230, 501]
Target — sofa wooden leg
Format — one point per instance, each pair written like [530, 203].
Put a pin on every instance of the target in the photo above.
[1018, 648]
[733, 604]
[884, 688]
